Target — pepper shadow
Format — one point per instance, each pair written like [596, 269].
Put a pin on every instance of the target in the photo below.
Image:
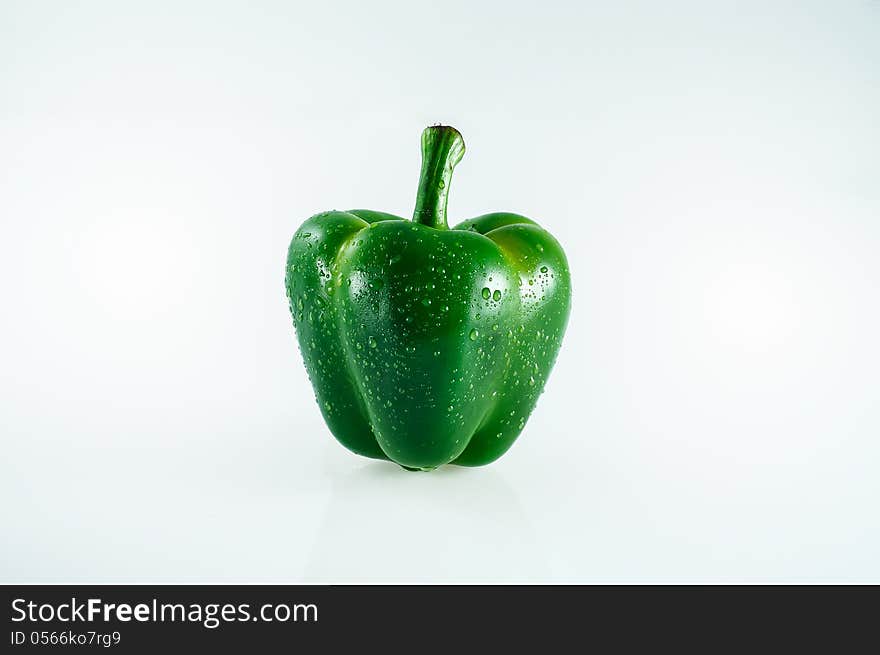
[454, 525]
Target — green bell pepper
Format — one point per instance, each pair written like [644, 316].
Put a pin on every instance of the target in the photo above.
[427, 345]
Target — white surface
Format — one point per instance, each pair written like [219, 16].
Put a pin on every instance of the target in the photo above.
[711, 171]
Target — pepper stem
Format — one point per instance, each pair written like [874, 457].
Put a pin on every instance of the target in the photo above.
[442, 149]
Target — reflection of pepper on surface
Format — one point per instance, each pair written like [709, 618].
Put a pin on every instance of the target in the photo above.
[427, 345]
[487, 533]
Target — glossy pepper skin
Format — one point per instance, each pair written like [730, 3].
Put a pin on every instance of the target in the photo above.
[427, 345]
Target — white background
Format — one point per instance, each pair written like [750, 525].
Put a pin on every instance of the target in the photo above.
[711, 169]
